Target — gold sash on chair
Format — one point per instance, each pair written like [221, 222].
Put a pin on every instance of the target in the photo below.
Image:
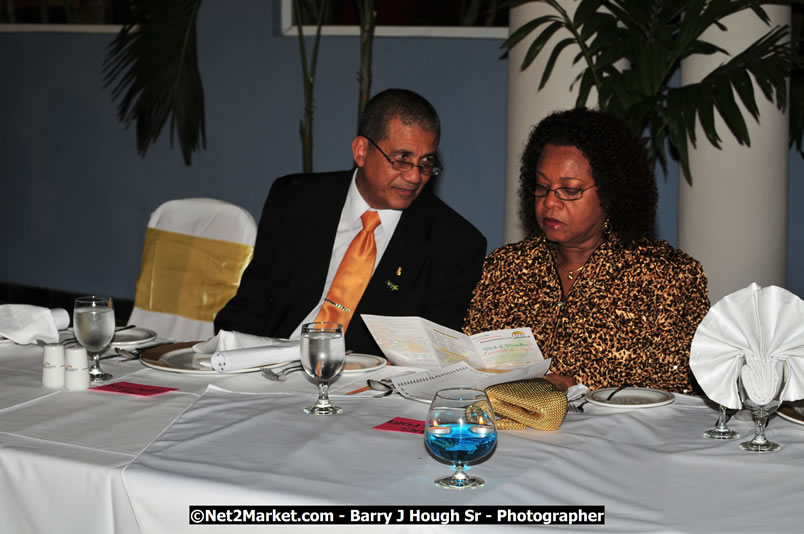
[189, 276]
[534, 403]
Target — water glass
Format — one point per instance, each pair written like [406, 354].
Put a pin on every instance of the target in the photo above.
[93, 324]
[760, 385]
[322, 355]
[460, 430]
[721, 430]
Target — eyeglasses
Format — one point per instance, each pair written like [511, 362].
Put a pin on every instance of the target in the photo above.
[427, 169]
[562, 193]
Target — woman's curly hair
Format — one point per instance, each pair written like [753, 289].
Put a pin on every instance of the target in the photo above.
[626, 184]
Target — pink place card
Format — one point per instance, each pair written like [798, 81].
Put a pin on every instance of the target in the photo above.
[401, 424]
[130, 388]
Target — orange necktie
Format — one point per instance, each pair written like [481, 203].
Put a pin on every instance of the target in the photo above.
[353, 274]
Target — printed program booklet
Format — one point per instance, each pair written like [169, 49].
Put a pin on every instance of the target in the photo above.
[417, 342]
[422, 386]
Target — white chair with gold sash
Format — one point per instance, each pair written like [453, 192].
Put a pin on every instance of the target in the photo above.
[195, 252]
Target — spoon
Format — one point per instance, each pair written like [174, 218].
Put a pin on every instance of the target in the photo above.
[385, 385]
[619, 389]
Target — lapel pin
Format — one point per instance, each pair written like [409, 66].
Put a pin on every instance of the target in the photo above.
[399, 271]
[392, 287]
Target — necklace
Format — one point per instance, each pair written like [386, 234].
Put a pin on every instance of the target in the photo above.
[571, 274]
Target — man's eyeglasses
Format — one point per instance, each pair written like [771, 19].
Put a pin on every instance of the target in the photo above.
[428, 168]
[562, 193]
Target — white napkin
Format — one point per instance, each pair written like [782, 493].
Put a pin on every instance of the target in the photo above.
[576, 392]
[755, 325]
[235, 350]
[23, 324]
[761, 378]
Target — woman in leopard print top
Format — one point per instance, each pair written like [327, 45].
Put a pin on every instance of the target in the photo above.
[610, 304]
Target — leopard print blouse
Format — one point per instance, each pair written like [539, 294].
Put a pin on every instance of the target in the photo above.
[628, 318]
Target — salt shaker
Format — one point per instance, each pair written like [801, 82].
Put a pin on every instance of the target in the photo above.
[53, 365]
[76, 368]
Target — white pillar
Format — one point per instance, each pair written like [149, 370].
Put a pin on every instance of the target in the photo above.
[527, 105]
[733, 219]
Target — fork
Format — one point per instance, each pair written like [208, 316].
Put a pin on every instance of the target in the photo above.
[282, 374]
[123, 354]
[576, 408]
[132, 354]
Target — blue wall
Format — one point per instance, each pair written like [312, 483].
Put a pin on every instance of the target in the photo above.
[76, 197]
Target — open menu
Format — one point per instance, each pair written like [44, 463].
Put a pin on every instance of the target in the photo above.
[417, 342]
[423, 386]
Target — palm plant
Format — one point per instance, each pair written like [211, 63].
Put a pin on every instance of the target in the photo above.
[651, 38]
[153, 65]
[308, 82]
[368, 21]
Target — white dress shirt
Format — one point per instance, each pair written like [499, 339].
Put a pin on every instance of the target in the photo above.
[349, 226]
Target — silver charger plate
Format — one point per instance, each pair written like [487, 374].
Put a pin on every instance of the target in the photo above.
[181, 358]
[362, 363]
[631, 398]
[792, 412]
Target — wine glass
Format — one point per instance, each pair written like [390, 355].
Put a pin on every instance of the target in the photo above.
[93, 324]
[460, 429]
[322, 355]
[721, 431]
[761, 384]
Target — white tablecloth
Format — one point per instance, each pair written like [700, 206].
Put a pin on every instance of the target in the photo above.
[96, 462]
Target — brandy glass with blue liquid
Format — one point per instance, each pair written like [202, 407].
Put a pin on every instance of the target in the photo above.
[460, 430]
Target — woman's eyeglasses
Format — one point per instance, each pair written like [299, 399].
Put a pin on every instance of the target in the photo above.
[561, 193]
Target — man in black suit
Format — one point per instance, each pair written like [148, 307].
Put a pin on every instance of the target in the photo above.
[428, 258]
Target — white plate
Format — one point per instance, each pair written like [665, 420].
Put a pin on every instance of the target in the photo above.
[132, 337]
[631, 398]
[794, 413]
[181, 358]
[362, 363]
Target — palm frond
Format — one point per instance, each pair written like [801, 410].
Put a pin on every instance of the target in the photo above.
[651, 37]
[797, 81]
[152, 66]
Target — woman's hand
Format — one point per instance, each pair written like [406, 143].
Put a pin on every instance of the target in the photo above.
[562, 382]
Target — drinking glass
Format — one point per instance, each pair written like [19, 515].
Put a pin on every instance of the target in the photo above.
[460, 429]
[721, 431]
[93, 324]
[762, 401]
[322, 355]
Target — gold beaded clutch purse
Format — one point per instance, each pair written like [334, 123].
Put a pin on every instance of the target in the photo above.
[534, 403]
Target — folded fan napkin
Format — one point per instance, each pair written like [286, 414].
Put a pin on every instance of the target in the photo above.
[232, 351]
[762, 379]
[23, 324]
[758, 326]
[533, 402]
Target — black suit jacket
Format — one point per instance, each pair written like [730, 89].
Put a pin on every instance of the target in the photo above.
[429, 268]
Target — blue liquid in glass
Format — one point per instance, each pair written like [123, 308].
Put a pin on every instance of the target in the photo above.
[461, 445]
